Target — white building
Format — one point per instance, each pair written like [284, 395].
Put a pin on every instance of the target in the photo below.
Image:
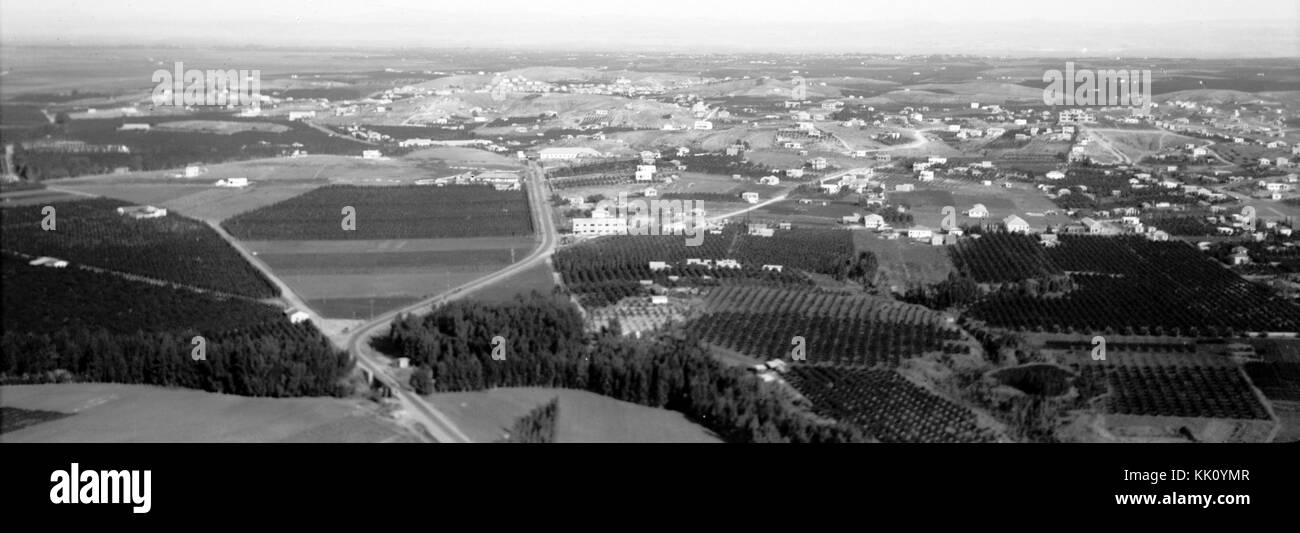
[600, 226]
[232, 182]
[1016, 224]
[978, 211]
[751, 197]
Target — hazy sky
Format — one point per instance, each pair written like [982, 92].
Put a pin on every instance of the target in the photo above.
[1193, 28]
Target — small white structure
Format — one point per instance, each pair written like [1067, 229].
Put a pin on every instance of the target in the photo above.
[920, 233]
[51, 262]
[751, 197]
[371, 154]
[979, 211]
[232, 182]
[769, 180]
[296, 316]
[1055, 175]
[873, 221]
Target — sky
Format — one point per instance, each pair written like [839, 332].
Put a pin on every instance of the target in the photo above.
[1168, 28]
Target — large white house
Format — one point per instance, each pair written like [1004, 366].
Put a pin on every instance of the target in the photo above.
[600, 226]
[1015, 224]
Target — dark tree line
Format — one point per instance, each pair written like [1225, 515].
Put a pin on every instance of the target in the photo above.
[545, 346]
[290, 361]
[538, 426]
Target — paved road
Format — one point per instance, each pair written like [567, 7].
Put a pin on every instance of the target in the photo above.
[438, 424]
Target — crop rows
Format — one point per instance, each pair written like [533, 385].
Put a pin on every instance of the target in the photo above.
[1134, 286]
[400, 212]
[170, 248]
[885, 405]
[838, 328]
[1182, 391]
[611, 266]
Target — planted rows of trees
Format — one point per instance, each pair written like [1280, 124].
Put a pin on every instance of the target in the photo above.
[610, 267]
[171, 248]
[606, 166]
[1003, 258]
[545, 346]
[886, 405]
[836, 328]
[134, 332]
[399, 212]
[1278, 380]
[1130, 285]
[1184, 391]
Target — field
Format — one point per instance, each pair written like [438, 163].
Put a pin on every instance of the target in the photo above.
[1135, 145]
[360, 278]
[220, 127]
[410, 242]
[608, 269]
[172, 248]
[585, 417]
[903, 263]
[837, 328]
[140, 413]
[886, 405]
[927, 202]
[1122, 285]
[133, 331]
[402, 212]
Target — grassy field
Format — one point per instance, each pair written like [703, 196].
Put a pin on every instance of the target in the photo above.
[538, 278]
[221, 127]
[355, 279]
[139, 413]
[904, 262]
[584, 416]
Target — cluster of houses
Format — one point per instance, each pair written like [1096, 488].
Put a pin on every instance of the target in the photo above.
[501, 180]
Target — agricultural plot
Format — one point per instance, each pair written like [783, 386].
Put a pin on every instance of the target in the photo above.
[360, 278]
[1278, 380]
[1178, 391]
[608, 269]
[130, 331]
[836, 328]
[401, 212]
[904, 264]
[171, 248]
[1123, 285]
[886, 405]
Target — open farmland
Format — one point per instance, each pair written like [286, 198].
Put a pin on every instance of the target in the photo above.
[171, 248]
[106, 412]
[904, 263]
[838, 328]
[585, 417]
[402, 212]
[410, 242]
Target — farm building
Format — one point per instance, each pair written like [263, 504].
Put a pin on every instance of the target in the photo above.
[873, 221]
[232, 182]
[600, 226]
[751, 197]
[978, 211]
[769, 180]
